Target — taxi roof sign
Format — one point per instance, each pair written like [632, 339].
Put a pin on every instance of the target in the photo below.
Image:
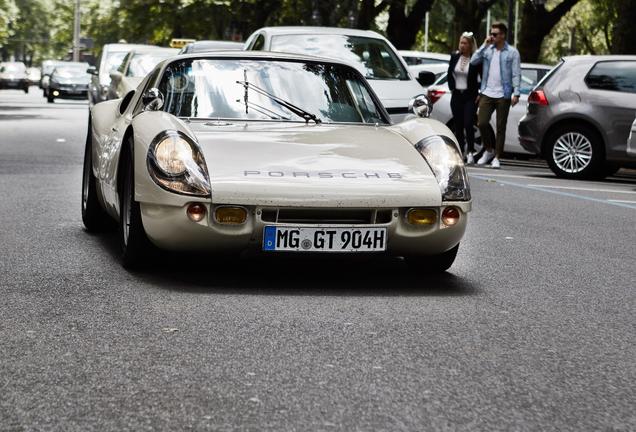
[180, 43]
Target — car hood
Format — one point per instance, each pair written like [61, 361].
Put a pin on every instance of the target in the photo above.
[396, 93]
[260, 163]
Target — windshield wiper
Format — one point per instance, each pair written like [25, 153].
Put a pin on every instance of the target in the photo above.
[293, 108]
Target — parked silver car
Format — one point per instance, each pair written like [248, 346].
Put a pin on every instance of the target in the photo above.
[111, 57]
[580, 115]
[134, 67]
[440, 96]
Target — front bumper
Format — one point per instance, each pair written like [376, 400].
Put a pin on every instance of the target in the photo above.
[169, 227]
[13, 84]
[530, 134]
[69, 92]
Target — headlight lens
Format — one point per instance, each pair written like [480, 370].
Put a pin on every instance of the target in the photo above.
[447, 165]
[176, 164]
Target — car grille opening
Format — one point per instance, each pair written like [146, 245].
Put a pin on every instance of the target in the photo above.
[327, 216]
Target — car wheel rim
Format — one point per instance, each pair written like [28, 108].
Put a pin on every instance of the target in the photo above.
[572, 152]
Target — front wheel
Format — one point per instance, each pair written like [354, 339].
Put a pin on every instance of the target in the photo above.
[26, 89]
[49, 98]
[575, 152]
[94, 217]
[432, 263]
[135, 246]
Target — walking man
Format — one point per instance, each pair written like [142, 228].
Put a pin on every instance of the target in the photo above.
[500, 85]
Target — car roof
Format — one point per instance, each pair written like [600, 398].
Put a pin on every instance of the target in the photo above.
[595, 58]
[114, 47]
[424, 54]
[154, 49]
[273, 55]
[280, 30]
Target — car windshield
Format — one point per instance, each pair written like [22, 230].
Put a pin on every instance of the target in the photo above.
[71, 71]
[374, 57]
[13, 67]
[113, 60]
[141, 64]
[207, 88]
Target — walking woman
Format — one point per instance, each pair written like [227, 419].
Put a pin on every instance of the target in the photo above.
[463, 81]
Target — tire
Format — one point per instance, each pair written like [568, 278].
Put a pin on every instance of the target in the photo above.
[43, 93]
[135, 246]
[26, 90]
[49, 98]
[575, 151]
[94, 216]
[432, 263]
[610, 169]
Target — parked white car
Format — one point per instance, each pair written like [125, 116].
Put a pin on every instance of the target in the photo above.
[369, 52]
[276, 153]
[531, 74]
[415, 58]
[134, 67]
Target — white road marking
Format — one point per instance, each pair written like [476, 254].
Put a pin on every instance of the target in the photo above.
[60, 140]
[582, 189]
[623, 201]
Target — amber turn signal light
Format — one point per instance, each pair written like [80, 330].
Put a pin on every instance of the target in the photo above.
[196, 212]
[230, 215]
[450, 216]
[421, 217]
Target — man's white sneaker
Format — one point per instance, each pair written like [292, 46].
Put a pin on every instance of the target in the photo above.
[485, 158]
[495, 164]
[470, 159]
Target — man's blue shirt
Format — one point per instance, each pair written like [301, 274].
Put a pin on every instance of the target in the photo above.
[509, 62]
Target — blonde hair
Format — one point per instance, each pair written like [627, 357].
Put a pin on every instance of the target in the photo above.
[471, 39]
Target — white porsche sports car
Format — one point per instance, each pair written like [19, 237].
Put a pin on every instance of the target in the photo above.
[279, 153]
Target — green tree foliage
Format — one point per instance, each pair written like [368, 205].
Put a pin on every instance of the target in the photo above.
[33, 30]
[8, 15]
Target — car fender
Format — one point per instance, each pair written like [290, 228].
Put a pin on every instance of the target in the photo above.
[146, 127]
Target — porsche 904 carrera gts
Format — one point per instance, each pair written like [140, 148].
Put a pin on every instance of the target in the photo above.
[276, 153]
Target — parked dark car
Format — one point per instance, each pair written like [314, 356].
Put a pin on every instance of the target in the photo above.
[69, 81]
[580, 115]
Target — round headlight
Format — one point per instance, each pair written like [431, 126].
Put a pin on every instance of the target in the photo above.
[171, 154]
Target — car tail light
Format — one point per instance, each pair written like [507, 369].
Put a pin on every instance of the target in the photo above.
[538, 97]
[435, 94]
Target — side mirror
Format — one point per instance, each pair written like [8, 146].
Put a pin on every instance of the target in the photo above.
[92, 70]
[116, 76]
[426, 78]
[421, 106]
[152, 100]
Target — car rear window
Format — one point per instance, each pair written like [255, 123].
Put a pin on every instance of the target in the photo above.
[613, 76]
[549, 75]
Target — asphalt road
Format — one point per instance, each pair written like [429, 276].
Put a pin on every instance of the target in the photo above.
[532, 329]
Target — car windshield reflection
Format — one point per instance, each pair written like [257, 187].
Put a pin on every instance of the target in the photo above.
[206, 88]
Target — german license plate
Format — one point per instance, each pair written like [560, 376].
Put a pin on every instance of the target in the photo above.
[324, 239]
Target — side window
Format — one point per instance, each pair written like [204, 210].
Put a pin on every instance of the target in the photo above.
[529, 78]
[259, 43]
[122, 66]
[613, 76]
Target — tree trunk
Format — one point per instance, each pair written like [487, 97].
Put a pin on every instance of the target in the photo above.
[536, 24]
[468, 17]
[623, 36]
[402, 29]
